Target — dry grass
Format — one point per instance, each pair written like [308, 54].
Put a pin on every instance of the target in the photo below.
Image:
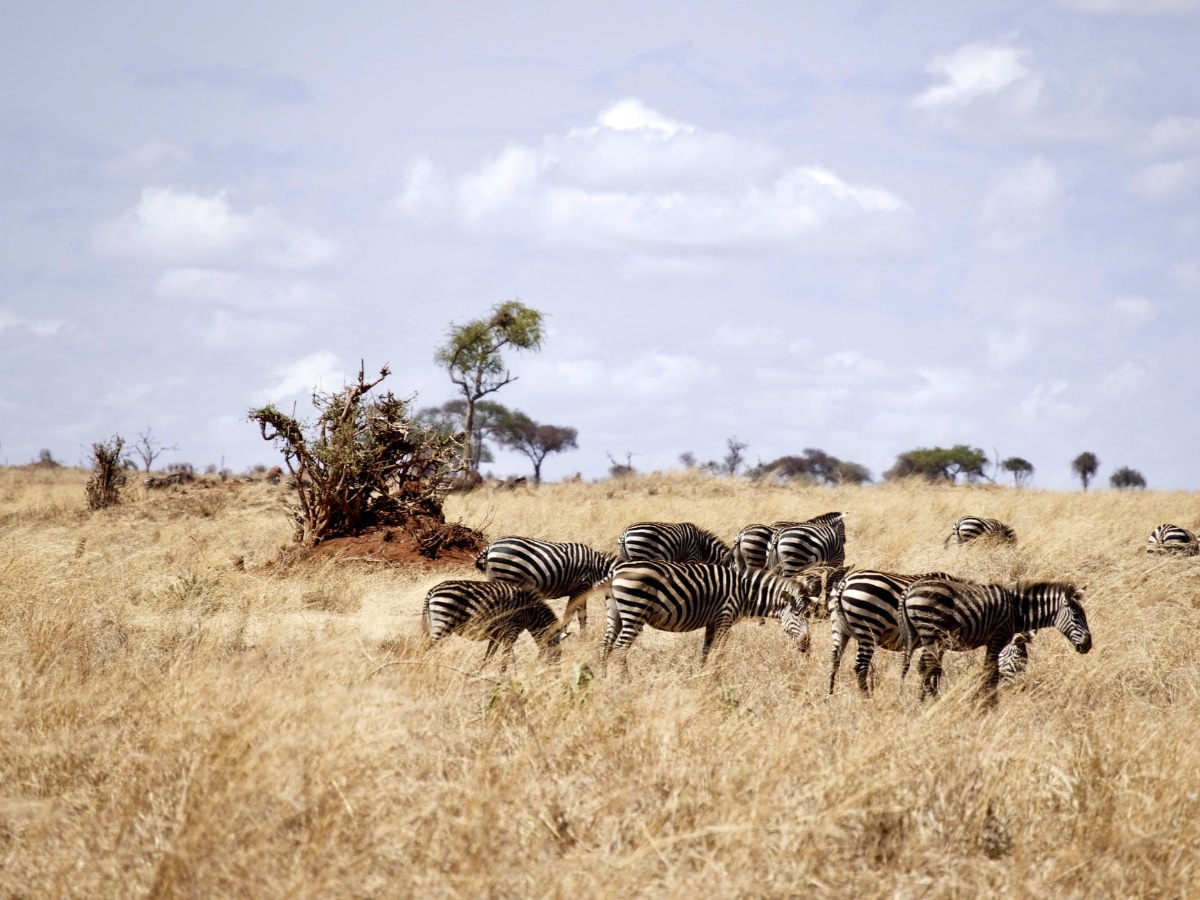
[181, 719]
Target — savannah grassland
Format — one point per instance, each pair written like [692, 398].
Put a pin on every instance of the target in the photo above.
[184, 718]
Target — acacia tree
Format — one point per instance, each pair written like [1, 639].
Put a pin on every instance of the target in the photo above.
[1125, 478]
[149, 448]
[473, 357]
[364, 462]
[534, 440]
[940, 463]
[816, 465]
[1020, 469]
[451, 417]
[1085, 466]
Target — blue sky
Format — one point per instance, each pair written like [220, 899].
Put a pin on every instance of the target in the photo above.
[861, 227]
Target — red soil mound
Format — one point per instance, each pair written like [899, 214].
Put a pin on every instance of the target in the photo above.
[422, 543]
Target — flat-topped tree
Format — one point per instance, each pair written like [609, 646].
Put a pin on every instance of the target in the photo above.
[472, 356]
[364, 462]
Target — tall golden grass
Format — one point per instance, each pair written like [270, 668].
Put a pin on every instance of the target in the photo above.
[183, 719]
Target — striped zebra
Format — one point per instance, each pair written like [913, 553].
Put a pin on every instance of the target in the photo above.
[970, 528]
[819, 541]
[1014, 658]
[680, 542]
[939, 614]
[551, 570]
[752, 544]
[493, 611]
[865, 606]
[1173, 540]
[682, 597]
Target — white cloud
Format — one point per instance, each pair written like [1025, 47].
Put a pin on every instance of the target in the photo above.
[229, 331]
[238, 290]
[641, 183]
[1126, 380]
[1131, 312]
[1166, 181]
[1134, 7]
[982, 71]
[168, 225]
[1022, 206]
[321, 370]
[1008, 350]
[659, 376]
[1173, 134]
[36, 327]
[1046, 402]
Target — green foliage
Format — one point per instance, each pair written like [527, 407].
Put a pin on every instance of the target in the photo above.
[940, 464]
[1020, 469]
[364, 461]
[518, 432]
[108, 474]
[1126, 478]
[473, 357]
[1085, 466]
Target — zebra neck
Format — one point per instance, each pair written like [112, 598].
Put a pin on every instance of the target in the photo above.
[763, 596]
[1034, 609]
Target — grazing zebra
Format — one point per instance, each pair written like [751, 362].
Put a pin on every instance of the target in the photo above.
[1173, 540]
[680, 542]
[939, 614]
[819, 541]
[865, 606]
[493, 611]
[550, 570]
[969, 528]
[682, 597]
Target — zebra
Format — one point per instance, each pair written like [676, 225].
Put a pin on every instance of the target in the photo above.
[680, 597]
[752, 544]
[680, 542]
[865, 605]
[493, 611]
[970, 528]
[1173, 540]
[939, 614]
[819, 541]
[551, 570]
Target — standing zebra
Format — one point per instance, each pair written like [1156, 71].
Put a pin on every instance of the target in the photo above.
[865, 606]
[819, 541]
[682, 597]
[752, 544]
[939, 614]
[491, 611]
[680, 542]
[550, 570]
[1173, 540]
[970, 528]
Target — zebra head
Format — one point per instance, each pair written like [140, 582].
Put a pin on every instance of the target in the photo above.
[794, 618]
[1072, 621]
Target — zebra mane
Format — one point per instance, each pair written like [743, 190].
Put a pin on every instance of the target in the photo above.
[828, 518]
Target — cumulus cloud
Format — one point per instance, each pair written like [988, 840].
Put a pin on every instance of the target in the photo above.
[640, 182]
[1126, 380]
[982, 71]
[1022, 206]
[321, 370]
[1172, 135]
[168, 225]
[1046, 402]
[230, 331]
[238, 290]
[1131, 312]
[1166, 181]
[10, 321]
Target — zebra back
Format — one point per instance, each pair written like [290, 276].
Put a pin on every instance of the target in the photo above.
[549, 569]
[750, 547]
[970, 528]
[812, 543]
[682, 542]
[1174, 540]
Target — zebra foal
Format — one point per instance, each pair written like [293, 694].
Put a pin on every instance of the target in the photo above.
[551, 570]
[939, 614]
[970, 528]
[681, 597]
[493, 611]
[1172, 540]
[680, 542]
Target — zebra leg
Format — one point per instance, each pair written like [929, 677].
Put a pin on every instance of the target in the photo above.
[839, 639]
[714, 636]
[990, 689]
[577, 604]
[862, 665]
[929, 667]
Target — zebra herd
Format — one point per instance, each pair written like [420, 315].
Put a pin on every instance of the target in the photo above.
[678, 577]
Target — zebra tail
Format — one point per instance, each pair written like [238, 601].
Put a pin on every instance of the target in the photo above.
[908, 636]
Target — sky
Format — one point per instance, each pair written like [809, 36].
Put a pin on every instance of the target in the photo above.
[863, 227]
